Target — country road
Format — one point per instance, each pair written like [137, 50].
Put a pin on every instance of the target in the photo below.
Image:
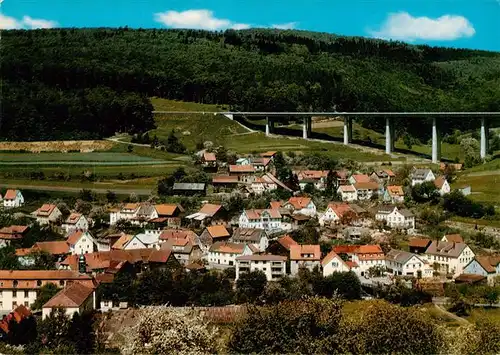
[120, 191]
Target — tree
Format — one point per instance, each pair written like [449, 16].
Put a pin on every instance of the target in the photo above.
[424, 192]
[342, 284]
[42, 260]
[173, 144]
[111, 196]
[470, 150]
[8, 258]
[163, 330]
[250, 286]
[45, 293]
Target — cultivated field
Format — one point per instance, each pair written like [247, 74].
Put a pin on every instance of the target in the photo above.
[98, 158]
[57, 146]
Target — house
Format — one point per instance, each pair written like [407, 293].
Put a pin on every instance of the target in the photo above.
[366, 190]
[419, 176]
[120, 243]
[396, 218]
[46, 214]
[176, 233]
[418, 245]
[452, 238]
[245, 173]
[58, 248]
[261, 164]
[268, 219]
[7, 234]
[304, 257]
[209, 160]
[224, 254]
[465, 190]
[442, 185]
[213, 234]
[315, 177]
[142, 241]
[382, 176]
[281, 246]
[366, 257]
[332, 262]
[168, 213]
[183, 249]
[243, 161]
[20, 287]
[74, 298]
[221, 182]
[209, 214]
[127, 212]
[273, 266]
[267, 182]
[456, 167]
[13, 198]
[256, 237]
[301, 205]
[394, 194]
[488, 266]
[189, 189]
[403, 263]
[347, 192]
[81, 242]
[359, 178]
[335, 212]
[268, 154]
[75, 221]
[449, 257]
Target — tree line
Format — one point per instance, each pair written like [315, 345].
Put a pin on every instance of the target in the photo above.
[93, 82]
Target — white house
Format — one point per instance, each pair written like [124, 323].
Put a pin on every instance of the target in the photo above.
[396, 218]
[347, 193]
[419, 176]
[301, 205]
[394, 194]
[81, 242]
[256, 237]
[315, 177]
[46, 214]
[442, 185]
[403, 263]
[143, 241]
[332, 262]
[488, 266]
[263, 184]
[10, 233]
[273, 266]
[304, 256]
[334, 213]
[359, 178]
[449, 257]
[269, 219]
[75, 298]
[366, 190]
[75, 221]
[13, 198]
[224, 254]
[366, 257]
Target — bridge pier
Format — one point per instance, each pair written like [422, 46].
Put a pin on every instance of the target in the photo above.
[306, 127]
[484, 138]
[436, 142]
[389, 135]
[268, 126]
[347, 130]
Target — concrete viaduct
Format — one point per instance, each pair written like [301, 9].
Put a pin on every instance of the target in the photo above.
[272, 117]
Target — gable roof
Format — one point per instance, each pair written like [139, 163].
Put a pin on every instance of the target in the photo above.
[45, 210]
[268, 154]
[446, 248]
[299, 202]
[218, 231]
[298, 250]
[75, 237]
[72, 296]
[10, 194]
[347, 188]
[227, 247]
[256, 214]
[189, 186]
[167, 209]
[57, 247]
[439, 181]
[420, 173]
[13, 232]
[454, 238]
[361, 178]
[261, 161]
[330, 256]
[369, 185]
[159, 256]
[210, 209]
[122, 241]
[73, 218]
[251, 235]
[172, 233]
[209, 156]
[241, 169]
[488, 263]
[312, 174]
[395, 190]
[225, 179]
[261, 257]
[399, 256]
[419, 242]
[287, 241]
[340, 208]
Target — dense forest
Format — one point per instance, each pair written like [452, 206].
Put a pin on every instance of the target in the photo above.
[90, 83]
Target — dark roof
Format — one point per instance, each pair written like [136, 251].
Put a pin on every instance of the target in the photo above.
[185, 186]
[470, 278]
[248, 234]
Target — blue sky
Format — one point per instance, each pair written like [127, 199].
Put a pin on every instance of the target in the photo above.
[455, 23]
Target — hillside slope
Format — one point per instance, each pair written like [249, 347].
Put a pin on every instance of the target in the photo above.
[49, 73]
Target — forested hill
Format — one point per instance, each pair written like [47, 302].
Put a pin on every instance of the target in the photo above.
[74, 83]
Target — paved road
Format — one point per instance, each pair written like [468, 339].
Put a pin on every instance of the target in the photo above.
[120, 191]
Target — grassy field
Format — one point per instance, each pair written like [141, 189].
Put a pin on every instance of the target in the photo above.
[485, 188]
[479, 314]
[72, 158]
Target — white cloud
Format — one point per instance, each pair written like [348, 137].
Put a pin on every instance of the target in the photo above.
[403, 26]
[287, 26]
[9, 23]
[38, 23]
[27, 22]
[197, 19]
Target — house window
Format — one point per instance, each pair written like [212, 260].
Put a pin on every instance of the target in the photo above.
[14, 304]
[14, 293]
[61, 282]
[39, 283]
[26, 294]
[26, 303]
[15, 283]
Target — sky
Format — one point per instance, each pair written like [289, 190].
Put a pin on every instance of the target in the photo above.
[453, 23]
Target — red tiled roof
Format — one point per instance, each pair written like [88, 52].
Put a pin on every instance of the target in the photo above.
[53, 247]
[160, 256]
[419, 242]
[262, 257]
[255, 214]
[275, 204]
[390, 172]
[218, 231]
[340, 208]
[347, 188]
[395, 190]
[10, 194]
[75, 237]
[166, 209]
[366, 185]
[299, 202]
[241, 169]
[29, 278]
[454, 238]
[287, 241]
[210, 209]
[227, 247]
[345, 249]
[178, 234]
[489, 263]
[72, 296]
[439, 181]
[45, 210]
[312, 174]
[297, 252]
[361, 178]
[225, 179]
[268, 154]
[209, 156]
[329, 257]
[73, 218]
[13, 232]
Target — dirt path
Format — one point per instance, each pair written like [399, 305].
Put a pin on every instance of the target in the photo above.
[120, 191]
[451, 315]
[117, 140]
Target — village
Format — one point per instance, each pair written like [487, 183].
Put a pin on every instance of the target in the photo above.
[330, 221]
